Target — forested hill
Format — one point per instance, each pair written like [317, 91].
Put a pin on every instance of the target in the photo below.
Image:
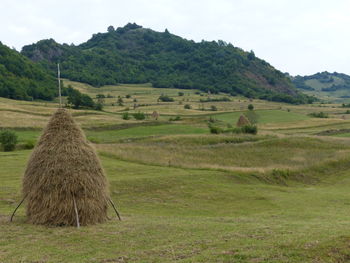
[325, 85]
[22, 79]
[133, 54]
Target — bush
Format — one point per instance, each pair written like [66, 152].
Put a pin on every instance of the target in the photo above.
[139, 116]
[128, 96]
[126, 116]
[250, 107]
[212, 120]
[215, 129]
[98, 106]
[249, 129]
[28, 145]
[318, 115]
[181, 93]
[120, 101]
[165, 98]
[187, 106]
[213, 108]
[8, 140]
[177, 118]
[215, 99]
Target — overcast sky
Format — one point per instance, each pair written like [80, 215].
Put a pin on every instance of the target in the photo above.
[296, 36]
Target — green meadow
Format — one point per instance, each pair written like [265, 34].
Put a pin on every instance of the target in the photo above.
[186, 195]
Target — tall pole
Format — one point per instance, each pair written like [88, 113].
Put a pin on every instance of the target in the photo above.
[59, 83]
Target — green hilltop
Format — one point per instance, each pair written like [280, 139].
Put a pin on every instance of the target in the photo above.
[133, 54]
[22, 79]
[325, 85]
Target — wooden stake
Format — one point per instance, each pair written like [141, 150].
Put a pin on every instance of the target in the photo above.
[59, 84]
[13, 214]
[76, 212]
[115, 209]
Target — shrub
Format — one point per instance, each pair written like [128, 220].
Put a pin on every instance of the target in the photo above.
[212, 120]
[128, 96]
[250, 107]
[249, 129]
[177, 118]
[319, 114]
[187, 106]
[8, 140]
[165, 98]
[139, 116]
[126, 116]
[28, 145]
[120, 101]
[98, 106]
[215, 99]
[213, 108]
[215, 129]
[181, 93]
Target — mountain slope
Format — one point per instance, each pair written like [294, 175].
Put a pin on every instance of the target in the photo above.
[22, 79]
[325, 85]
[133, 54]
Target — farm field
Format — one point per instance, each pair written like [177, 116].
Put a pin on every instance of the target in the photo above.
[186, 195]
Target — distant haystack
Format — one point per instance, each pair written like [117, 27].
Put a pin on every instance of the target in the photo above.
[242, 121]
[64, 183]
[155, 115]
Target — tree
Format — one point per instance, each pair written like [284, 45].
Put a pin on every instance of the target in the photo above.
[78, 99]
[8, 140]
[251, 55]
[250, 107]
[120, 101]
[126, 116]
[110, 29]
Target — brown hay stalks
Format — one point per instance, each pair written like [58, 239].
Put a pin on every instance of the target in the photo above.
[155, 115]
[242, 121]
[64, 167]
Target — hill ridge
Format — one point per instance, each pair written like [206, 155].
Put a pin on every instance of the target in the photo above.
[133, 54]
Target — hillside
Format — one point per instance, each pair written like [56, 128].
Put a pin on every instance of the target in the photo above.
[325, 85]
[186, 195]
[133, 54]
[22, 79]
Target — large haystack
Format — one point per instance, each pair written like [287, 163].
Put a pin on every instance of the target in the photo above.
[64, 173]
[242, 121]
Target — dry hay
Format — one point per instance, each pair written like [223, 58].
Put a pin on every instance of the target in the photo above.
[242, 121]
[155, 115]
[62, 168]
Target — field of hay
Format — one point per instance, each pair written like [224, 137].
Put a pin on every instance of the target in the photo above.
[186, 195]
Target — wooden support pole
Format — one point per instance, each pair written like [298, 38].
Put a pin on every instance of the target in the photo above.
[14, 212]
[76, 212]
[115, 209]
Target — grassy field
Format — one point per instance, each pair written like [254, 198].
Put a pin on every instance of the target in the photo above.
[186, 195]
